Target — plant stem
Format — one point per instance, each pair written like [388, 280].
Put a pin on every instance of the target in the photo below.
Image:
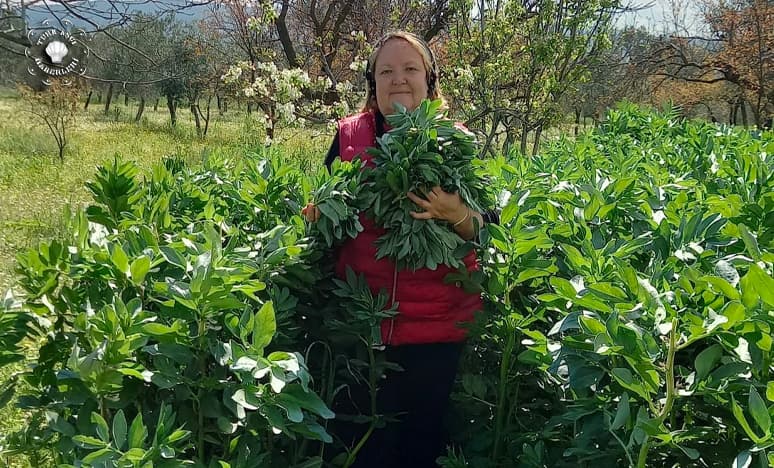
[643, 457]
[670, 373]
[625, 449]
[372, 385]
[670, 392]
[505, 366]
[200, 396]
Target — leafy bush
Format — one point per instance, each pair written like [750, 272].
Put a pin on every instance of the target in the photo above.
[162, 299]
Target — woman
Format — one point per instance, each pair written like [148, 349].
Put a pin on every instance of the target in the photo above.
[425, 338]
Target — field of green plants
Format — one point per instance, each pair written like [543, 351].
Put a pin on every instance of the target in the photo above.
[188, 316]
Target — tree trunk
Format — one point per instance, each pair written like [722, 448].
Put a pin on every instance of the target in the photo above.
[284, 35]
[126, 100]
[225, 105]
[524, 135]
[249, 108]
[109, 98]
[195, 111]
[99, 97]
[207, 117]
[172, 110]
[156, 105]
[88, 100]
[536, 144]
[140, 109]
[743, 108]
[577, 120]
[220, 105]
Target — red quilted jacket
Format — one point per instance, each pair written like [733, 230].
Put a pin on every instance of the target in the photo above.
[430, 311]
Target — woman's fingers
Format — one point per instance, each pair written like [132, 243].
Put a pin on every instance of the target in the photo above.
[422, 215]
[420, 202]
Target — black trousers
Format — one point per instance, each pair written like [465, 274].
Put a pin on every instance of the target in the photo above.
[418, 396]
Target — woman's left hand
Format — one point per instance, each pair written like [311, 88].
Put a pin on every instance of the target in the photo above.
[439, 205]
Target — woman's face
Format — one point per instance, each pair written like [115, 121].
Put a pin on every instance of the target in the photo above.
[400, 76]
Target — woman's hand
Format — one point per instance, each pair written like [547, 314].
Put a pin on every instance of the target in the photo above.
[311, 212]
[439, 205]
[448, 207]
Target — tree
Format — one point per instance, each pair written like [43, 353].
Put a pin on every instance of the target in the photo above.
[619, 74]
[103, 18]
[748, 49]
[736, 52]
[510, 62]
[57, 107]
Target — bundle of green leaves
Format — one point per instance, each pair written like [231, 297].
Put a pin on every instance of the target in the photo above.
[422, 150]
[337, 199]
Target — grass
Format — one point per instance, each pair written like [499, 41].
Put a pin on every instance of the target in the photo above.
[35, 187]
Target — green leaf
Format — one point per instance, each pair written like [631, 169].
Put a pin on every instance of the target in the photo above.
[770, 391]
[624, 377]
[264, 327]
[134, 455]
[119, 429]
[308, 400]
[88, 442]
[140, 267]
[592, 325]
[734, 312]
[750, 242]
[101, 426]
[173, 256]
[743, 460]
[563, 287]
[99, 456]
[137, 432]
[120, 260]
[706, 360]
[157, 329]
[691, 453]
[760, 413]
[511, 210]
[742, 420]
[723, 287]
[178, 435]
[622, 413]
[763, 284]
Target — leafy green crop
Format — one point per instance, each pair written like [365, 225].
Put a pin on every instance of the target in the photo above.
[628, 288]
[422, 150]
[337, 198]
[630, 311]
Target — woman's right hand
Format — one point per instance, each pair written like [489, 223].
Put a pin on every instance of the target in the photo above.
[311, 212]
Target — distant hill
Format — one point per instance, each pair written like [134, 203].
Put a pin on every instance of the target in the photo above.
[99, 12]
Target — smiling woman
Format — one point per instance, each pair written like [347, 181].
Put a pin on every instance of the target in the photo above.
[425, 337]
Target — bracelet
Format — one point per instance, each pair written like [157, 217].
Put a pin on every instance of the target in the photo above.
[464, 218]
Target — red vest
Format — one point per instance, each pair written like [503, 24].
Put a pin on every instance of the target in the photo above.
[430, 311]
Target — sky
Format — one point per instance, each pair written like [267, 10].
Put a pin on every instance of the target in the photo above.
[657, 16]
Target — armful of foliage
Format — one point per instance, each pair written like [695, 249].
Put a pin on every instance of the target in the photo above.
[424, 149]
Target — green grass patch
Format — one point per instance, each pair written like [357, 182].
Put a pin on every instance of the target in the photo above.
[34, 187]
